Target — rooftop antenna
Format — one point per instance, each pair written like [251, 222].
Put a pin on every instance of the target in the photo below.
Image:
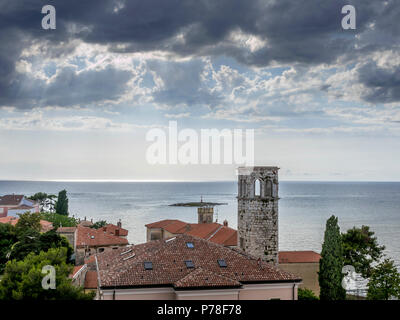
[216, 215]
[201, 198]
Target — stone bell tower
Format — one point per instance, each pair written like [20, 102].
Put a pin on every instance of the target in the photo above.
[258, 212]
[205, 215]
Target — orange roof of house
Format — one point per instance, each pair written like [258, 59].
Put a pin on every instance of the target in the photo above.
[205, 278]
[226, 236]
[75, 270]
[45, 225]
[111, 229]
[298, 256]
[97, 238]
[214, 232]
[203, 230]
[91, 280]
[119, 268]
[11, 199]
[173, 226]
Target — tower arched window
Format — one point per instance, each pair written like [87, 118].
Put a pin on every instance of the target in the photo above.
[268, 188]
[257, 188]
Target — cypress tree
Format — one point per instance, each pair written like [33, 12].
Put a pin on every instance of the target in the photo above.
[330, 274]
[62, 203]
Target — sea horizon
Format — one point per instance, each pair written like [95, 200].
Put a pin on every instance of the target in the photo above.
[304, 206]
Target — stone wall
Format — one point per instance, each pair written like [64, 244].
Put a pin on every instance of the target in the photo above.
[258, 213]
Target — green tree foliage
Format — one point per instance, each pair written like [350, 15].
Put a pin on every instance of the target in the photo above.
[306, 294]
[33, 241]
[8, 237]
[27, 241]
[99, 224]
[59, 220]
[62, 203]
[52, 239]
[361, 250]
[330, 266]
[22, 280]
[27, 221]
[384, 283]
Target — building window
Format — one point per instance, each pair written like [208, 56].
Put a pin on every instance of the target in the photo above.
[257, 188]
[222, 263]
[268, 188]
[242, 243]
[101, 250]
[190, 245]
[148, 265]
[155, 236]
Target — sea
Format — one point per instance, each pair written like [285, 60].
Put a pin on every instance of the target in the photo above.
[304, 207]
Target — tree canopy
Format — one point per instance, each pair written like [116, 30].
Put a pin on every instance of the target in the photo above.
[22, 280]
[99, 224]
[361, 250]
[331, 263]
[384, 283]
[59, 220]
[61, 206]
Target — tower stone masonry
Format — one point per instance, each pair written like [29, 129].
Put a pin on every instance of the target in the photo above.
[258, 212]
[205, 214]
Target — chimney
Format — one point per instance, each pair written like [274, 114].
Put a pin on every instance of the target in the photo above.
[225, 223]
[187, 227]
[119, 224]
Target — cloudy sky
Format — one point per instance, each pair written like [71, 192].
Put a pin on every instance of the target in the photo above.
[77, 102]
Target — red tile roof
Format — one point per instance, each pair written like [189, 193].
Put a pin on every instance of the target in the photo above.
[111, 229]
[203, 230]
[214, 232]
[75, 270]
[96, 238]
[226, 236]
[124, 267]
[298, 256]
[91, 280]
[11, 199]
[205, 278]
[45, 225]
[173, 226]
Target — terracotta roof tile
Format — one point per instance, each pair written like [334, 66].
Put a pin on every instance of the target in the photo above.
[203, 230]
[298, 256]
[45, 225]
[214, 232]
[11, 199]
[226, 236]
[200, 278]
[91, 280]
[97, 238]
[75, 270]
[111, 229]
[124, 267]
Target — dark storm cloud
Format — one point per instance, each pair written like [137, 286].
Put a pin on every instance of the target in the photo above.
[303, 31]
[381, 85]
[67, 88]
[182, 84]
